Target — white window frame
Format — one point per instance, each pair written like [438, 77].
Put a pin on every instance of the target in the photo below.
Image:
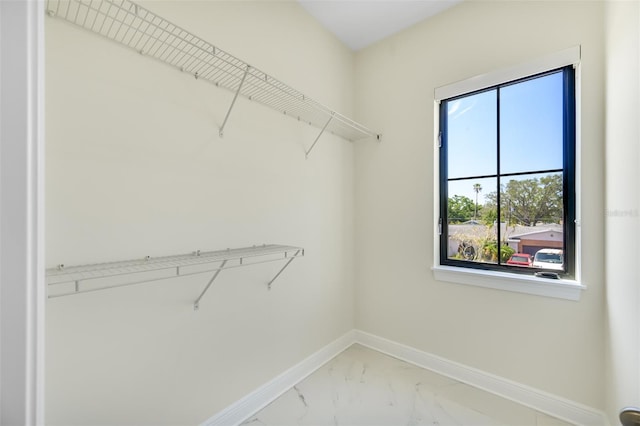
[569, 289]
[23, 291]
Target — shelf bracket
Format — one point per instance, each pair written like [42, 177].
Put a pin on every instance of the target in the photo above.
[283, 268]
[318, 137]
[196, 304]
[235, 97]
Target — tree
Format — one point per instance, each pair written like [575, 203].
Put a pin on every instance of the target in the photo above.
[489, 210]
[476, 188]
[459, 209]
[527, 201]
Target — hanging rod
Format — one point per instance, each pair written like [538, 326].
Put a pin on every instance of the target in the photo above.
[135, 27]
[69, 280]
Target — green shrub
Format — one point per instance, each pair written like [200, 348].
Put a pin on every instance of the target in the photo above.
[490, 252]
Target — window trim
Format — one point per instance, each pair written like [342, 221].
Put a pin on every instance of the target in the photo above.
[518, 283]
[569, 289]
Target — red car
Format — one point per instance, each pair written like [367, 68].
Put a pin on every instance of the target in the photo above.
[520, 259]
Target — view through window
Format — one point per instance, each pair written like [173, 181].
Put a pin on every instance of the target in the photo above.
[507, 160]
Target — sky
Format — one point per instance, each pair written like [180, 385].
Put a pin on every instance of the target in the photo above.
[530, 133]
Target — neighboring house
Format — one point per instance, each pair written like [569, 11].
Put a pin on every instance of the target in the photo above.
[523, 239]
[530, 242]
[468, 234]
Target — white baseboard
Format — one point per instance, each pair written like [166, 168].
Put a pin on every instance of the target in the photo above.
[544, 402]
[265, 394]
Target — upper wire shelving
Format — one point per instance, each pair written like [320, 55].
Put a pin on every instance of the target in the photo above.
[63, 281]
[135, 27]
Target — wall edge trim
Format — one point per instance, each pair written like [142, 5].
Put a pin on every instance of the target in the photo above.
[553, 405]
[245, 407]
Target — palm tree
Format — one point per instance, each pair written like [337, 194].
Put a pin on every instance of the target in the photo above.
[477, 188]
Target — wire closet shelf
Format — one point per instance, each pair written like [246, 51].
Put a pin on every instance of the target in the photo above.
[135, 27]
[63, 281]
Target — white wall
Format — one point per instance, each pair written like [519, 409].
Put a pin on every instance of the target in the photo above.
[135, 167]
[622, 206]
[549, 344]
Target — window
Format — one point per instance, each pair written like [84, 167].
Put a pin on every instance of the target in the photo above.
[507, 160]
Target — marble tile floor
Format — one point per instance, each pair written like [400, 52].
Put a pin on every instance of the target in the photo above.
[364, 387]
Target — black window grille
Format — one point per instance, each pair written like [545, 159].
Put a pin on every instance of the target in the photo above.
[507, 176]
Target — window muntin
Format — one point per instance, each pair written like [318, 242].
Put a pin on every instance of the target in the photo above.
[508, 151]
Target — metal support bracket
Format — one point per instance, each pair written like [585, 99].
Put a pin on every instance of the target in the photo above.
[196, 304]
[318, 137]
[283, 268]
[235, 97]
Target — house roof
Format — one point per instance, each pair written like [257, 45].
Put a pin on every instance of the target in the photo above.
[511, 232]
[529, 231]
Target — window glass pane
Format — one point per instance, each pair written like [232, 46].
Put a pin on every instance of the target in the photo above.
[532, 211]
[502, 170]
[470, 228]
[472, 135]
[531, 128]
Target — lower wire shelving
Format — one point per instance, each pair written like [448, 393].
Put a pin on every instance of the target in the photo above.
[65, 281]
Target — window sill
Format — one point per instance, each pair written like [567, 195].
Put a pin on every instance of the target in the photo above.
[559, 289]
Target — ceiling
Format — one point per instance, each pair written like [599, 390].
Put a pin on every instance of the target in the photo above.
[359, 23]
